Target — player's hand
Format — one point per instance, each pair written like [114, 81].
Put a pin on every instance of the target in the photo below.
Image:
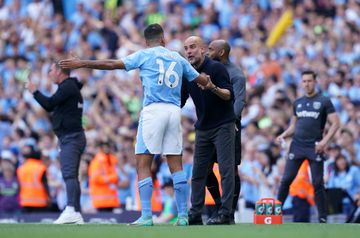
[31, 86]
[320, 147]
[72, 63]
[209, 84]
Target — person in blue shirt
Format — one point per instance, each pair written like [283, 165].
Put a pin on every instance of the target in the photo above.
[159, 130]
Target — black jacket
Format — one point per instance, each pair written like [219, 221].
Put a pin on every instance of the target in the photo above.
[66, 107]
[211, 110]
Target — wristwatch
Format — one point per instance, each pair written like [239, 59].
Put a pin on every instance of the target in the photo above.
[214, 89]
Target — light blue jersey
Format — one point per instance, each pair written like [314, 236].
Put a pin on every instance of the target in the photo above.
[161, 73]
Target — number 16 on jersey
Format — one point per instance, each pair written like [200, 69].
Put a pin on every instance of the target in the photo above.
[164, 75]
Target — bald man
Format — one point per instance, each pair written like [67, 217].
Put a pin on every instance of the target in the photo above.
[219, 50]
[215, 131]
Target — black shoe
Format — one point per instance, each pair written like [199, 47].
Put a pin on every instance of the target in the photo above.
[219, 220]
[214, 214]
[232, 220]
[195, 220]
[322, 220]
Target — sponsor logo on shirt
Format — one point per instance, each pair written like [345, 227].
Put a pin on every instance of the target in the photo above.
[305, 113]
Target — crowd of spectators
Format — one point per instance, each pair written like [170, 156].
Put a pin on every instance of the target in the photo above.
[324, 36]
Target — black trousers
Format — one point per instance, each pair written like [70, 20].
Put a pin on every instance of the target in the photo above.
[221, 140]
[317, 173]
[71, 148]
[212, 183]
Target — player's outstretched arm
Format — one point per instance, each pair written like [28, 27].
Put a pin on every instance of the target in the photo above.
[75, 63]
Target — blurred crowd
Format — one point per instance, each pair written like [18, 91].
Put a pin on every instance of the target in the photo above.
[324, 37]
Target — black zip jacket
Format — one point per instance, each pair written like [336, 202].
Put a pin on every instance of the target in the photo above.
[65, 106]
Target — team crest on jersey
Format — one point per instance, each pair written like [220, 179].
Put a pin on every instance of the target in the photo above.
[317, 105]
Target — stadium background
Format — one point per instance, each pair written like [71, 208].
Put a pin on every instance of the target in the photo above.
[322, 37]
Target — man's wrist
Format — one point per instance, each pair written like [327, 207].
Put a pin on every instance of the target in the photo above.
[324, 141]
[214, 89]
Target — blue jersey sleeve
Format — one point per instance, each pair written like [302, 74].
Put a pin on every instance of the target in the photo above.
[189, 72]
[133, 61]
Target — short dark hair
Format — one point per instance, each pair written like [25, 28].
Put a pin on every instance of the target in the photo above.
[309, 71]
[336, 168]
[153, 32]
[347, 131]
[64, 71]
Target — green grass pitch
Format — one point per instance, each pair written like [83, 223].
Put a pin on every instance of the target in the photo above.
[288, 230]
